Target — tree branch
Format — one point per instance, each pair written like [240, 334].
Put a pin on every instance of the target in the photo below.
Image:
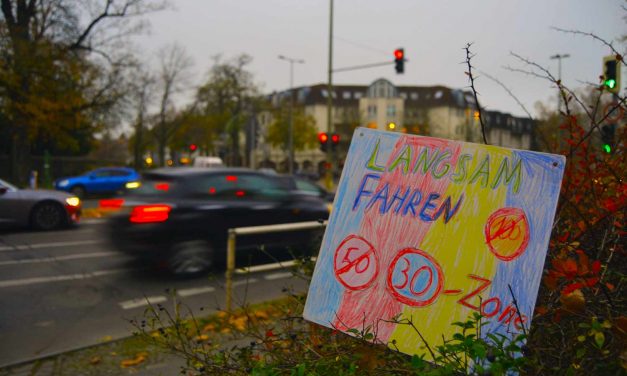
[508, 92]
[593, 36]
[474, 91]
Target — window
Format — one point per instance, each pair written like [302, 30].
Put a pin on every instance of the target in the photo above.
[230, 187]
[404, 95]
[324, 93]
[119, 173]
[103, 173]
[438, 94]
[155, 186]
[309, 188]
[346, 94]
[391, 110]
[372, 110]
[413, 96]
[358, 94]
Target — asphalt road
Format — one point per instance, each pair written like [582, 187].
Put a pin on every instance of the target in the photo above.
[67, 289]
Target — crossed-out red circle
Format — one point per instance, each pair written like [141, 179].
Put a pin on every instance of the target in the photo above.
[355, 263]
[507, 233]
[426, 295]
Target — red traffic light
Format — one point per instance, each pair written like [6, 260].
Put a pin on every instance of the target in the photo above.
[399, 60]
[323, 137]
[335, 138]
[193, 147]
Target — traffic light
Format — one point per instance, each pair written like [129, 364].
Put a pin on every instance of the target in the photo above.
[335, 140]
[324, 141]
[607, 137]
[611, 74]
[193, 147]
[399, 60]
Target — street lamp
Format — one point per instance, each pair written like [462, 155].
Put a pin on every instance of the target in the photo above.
[291, 117]
[559, 76]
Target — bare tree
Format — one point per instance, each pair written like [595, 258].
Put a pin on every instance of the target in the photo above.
[53, 45]
[172, 79]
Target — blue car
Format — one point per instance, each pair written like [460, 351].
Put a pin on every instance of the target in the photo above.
[100, 181]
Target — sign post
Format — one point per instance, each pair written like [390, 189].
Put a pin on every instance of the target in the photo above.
[430, 230]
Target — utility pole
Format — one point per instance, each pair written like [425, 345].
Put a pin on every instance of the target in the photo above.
[290, 136]
[559, 77]
[559, 92]
[330, 157]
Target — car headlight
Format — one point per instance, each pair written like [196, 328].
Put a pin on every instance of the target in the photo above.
[63, 183]
[73, 201]
[132, 185]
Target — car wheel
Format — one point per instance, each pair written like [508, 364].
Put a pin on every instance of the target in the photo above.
[48, 216]
[191, 258]
[78, 191]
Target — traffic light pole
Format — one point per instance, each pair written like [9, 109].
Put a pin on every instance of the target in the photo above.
[290, 136]
[330, 167]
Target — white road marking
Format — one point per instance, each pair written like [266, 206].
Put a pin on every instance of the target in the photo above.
[245, 282]
[60, 258]
[61, 278]
[195, 291]
[272, 277]
[26, 247]
[140, 302]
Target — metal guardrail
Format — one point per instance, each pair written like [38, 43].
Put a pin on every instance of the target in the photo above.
[242, 231]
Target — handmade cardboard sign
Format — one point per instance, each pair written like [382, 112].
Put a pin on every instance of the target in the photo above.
[430, 230]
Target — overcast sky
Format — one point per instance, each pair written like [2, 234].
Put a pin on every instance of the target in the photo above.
[432, 32]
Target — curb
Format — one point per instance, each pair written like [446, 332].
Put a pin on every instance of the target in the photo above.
[58, 353]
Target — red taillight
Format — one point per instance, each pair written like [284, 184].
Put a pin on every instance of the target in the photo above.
[162, 187]
[112, 203]
[231, 178]
[150, 213]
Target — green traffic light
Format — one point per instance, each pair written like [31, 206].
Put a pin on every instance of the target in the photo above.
[610, 83]
[607, 148]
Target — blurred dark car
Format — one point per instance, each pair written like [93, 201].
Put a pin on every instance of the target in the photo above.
[308, 187]
[179, 217]
[40, 209]
[100, 181]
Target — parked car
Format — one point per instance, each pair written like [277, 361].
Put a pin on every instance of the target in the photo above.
[100, 181]
[179, 217]
[38, 208]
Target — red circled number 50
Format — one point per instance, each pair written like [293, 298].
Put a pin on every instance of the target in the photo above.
[355, 263]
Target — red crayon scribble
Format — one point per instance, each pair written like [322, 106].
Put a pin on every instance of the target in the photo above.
[484, 285]
[413, 258]
[355, 263]
[373, 305]
[507, 233]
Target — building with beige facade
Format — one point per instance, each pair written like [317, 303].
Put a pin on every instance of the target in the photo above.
[435, 111]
